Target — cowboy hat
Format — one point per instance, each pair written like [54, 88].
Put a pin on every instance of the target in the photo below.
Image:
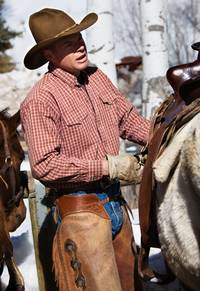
[47, 26]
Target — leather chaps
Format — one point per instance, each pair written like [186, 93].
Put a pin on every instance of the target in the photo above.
[84, 254]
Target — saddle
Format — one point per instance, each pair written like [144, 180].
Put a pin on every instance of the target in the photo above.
[184, 78]
[174, 112]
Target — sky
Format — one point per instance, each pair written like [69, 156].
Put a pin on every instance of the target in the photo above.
[17, 17]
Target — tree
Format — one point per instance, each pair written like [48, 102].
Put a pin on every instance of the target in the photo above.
[127, 27]
[6, 35]
[155, 54]
[100, 38]
[183, 28]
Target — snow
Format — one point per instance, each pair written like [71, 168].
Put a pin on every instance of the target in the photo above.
[25, 165]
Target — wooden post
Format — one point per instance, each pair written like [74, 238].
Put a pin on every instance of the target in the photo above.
[43, 233]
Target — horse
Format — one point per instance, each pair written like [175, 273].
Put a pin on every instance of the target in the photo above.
[24, 182]
[177, 174]
[12, 207]
[169, 194]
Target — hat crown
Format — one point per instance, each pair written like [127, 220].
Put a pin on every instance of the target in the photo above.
[48, 23]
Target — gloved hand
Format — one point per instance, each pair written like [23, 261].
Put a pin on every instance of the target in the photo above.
[141, 157]
[124, 167]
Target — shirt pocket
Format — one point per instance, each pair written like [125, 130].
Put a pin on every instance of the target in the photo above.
[75, 131]
[108, 108]
[74, 116]
[109, 118]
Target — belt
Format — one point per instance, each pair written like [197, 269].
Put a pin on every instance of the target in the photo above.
[100, 186]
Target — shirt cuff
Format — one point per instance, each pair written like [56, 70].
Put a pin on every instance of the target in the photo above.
[95, 170]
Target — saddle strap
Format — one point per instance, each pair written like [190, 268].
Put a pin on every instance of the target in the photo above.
[68, 204]
[147, 185]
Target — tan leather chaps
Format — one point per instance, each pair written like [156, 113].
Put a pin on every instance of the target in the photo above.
[86, 258]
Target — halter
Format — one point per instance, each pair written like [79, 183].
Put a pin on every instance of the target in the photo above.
[7, 172]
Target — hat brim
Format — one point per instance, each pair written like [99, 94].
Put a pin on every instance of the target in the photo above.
[35, 59]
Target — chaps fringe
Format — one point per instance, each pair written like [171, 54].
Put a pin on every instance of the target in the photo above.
[58, 263]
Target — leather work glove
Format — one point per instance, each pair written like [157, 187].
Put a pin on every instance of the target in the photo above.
[141, 158]
[124, 167]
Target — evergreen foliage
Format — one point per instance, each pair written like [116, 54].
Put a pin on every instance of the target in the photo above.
[6, 35]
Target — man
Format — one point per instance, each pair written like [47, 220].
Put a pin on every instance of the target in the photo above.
[73, 118]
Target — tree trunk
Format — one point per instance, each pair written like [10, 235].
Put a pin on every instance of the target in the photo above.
[99, 38]
[155, 54]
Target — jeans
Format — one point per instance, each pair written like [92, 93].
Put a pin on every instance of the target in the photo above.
[113, 208]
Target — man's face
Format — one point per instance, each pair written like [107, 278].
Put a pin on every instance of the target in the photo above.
[69, 54]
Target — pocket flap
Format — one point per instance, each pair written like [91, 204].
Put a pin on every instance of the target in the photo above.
[107, 99]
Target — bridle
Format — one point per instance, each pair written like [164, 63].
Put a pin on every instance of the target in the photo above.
[8, 176]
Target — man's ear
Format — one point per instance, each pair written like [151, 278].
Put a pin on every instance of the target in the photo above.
[48, 54]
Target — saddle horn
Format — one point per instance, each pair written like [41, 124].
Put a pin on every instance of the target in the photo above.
[185, 78]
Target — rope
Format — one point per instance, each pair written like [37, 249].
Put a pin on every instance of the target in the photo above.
[2, 179]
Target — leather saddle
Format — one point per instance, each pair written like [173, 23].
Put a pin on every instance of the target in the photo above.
[185, 78]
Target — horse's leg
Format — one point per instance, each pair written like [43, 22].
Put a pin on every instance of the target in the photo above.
[1, 267]
[16, 281]
[6, 248]
[15, 218]
[145, 271]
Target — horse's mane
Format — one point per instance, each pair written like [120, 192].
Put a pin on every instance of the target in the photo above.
[4, 113]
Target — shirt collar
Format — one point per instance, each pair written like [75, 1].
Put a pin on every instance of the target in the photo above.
[68, 78]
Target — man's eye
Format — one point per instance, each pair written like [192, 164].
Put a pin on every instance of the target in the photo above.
[67, 44]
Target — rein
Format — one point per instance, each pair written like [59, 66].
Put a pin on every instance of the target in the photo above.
[7, 174]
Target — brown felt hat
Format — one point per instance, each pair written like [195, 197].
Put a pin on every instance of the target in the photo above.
[47, 26]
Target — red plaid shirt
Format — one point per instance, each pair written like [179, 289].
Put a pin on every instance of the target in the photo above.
[69, 128]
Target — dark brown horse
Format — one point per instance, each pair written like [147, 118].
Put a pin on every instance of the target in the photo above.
[12, 208]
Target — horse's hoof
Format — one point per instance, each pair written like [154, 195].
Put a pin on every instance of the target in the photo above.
[147, 274]
[165, 278]
[158, 278]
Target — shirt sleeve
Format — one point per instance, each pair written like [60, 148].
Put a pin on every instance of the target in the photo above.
[133, 126]
[41, 129]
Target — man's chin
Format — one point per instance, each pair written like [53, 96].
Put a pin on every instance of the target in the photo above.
[82, 66]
